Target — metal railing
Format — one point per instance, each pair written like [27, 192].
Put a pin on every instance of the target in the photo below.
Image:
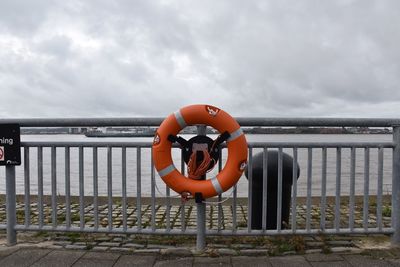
[140, 200]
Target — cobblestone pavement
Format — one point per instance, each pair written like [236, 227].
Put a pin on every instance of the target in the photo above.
[17, 256]
[217, 217]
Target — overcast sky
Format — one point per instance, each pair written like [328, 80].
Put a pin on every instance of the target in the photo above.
[149, 58]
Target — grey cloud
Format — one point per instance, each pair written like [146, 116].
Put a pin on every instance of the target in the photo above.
[254, 58]
[23, 17]
[58, 46]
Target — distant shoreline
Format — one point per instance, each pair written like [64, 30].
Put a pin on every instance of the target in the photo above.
[317, 130]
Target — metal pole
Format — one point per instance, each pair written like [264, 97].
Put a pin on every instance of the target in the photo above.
[201, 210]
[201, 227]
[10, 206]
[396, 187]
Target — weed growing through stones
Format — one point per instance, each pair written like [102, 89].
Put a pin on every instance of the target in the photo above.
[326, 249]
[298, 243]
[387, 211]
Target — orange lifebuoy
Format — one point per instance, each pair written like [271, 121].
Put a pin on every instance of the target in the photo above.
[195, 115]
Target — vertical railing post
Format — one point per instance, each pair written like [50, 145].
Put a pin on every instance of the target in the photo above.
[396, 186]
[10, 206]
[201, 210]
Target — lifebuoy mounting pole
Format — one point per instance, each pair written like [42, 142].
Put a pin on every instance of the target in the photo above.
[201, 209]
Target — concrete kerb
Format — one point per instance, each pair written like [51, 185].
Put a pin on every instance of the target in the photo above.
[11, 256]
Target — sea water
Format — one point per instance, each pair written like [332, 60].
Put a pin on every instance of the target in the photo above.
[242, 186]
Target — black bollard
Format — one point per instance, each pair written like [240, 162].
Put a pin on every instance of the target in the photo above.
[272, 189]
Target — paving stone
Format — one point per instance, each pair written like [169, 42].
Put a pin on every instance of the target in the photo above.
[311, 251]
[101, 255]
[119, 249]
[109, 244]
[314, 244]
[394, 262]
[365, 261]
[287, 253]
[62, 243]
[103, 239]
[227, 252]
[24, 257]
[152, 246]
[135, 260]
[331, 264]
[379, 253]
[62, 238]
[132, 245]
[245, 261]
[324, 257]
[289, 261]
[183, 262]
[97, 248]
[82, 243]
[82, 262]
[395, 251]
[76, 247]
[253, 252]
[216, 246]
[51, 246]
[147, 251]
[59, 258]
[341, 243]
[5, 251]
[26, 245]
[340, 249]
[353, 250]
[211, 262]
[179, 252]
[242, 246]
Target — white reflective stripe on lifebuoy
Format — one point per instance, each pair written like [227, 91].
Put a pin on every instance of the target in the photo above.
[167, 170]
[179, 118]
[235, 135]
[216, 185]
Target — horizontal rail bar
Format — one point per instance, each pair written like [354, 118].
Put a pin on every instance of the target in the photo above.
[84, 122]
[243, 121]
[209, 232]
[322, 122]
[320, 144]
[250, 144]
[86, 144]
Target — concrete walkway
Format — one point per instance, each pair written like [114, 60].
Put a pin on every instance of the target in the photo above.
[17, 256]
